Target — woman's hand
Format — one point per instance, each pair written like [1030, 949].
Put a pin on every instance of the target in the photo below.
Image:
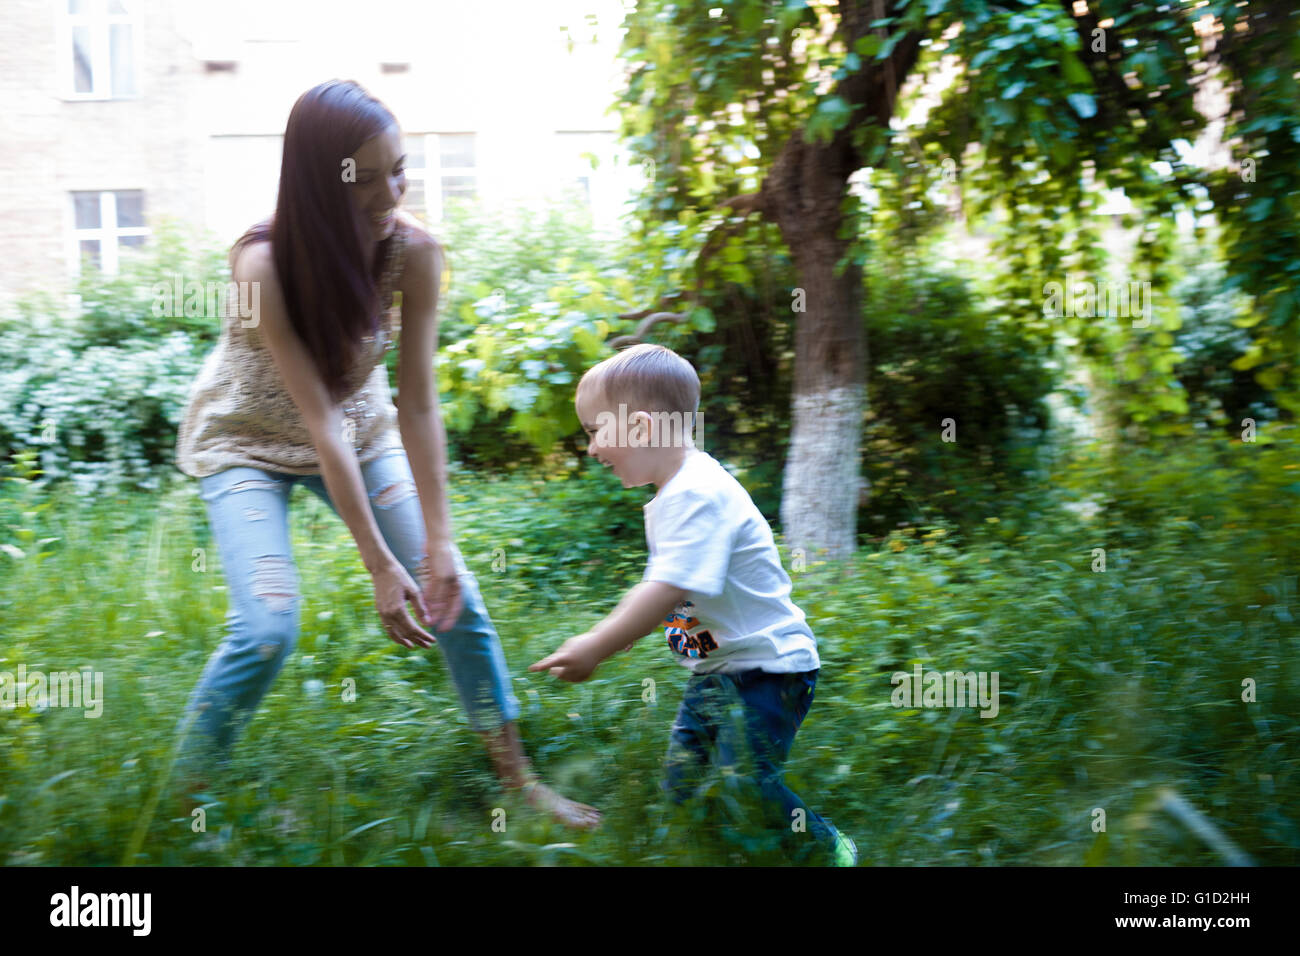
[393, 588]
[440, 588]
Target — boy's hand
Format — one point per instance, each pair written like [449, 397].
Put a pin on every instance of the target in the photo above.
[575, 661]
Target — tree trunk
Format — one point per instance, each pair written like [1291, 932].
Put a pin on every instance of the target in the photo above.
[803, 194]
[819, 503]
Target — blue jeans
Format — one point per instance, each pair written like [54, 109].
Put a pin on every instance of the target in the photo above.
[751, 715]
[248, 511]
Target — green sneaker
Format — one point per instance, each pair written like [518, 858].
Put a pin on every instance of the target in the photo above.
[846, 851]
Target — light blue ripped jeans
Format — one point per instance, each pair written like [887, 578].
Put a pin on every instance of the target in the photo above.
[248, 511]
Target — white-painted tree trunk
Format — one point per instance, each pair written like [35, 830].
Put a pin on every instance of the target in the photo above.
[819, 503]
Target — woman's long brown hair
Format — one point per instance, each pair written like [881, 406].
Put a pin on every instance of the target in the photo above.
[318, 236]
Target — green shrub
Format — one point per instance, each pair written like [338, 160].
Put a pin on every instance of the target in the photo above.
[936, 353]
[1214, 332]
[99, 393]
[534, 293]
[102, 416]
[141, 301]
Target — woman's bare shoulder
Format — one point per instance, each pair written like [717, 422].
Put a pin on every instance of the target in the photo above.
[424, 253]
[255, 261]
[417, 233]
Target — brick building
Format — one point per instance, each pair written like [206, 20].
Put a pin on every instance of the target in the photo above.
[114, 113]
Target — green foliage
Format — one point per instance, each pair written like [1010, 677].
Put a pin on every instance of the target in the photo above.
[521, 252]
[1257, 199]
[1115, 682]
[534, 294]
[1213, 336]
[1039, 101]
[744, 353]
[939, 353]
[100, 415]
[1047, 110]
[99, 392]
[1129, 87]
[689, 71]
[142, 300]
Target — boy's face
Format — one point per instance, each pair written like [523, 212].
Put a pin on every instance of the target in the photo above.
[631, 464]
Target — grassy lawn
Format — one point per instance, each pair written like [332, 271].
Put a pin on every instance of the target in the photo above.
[1114, 684]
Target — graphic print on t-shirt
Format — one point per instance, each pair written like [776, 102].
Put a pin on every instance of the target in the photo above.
[680, 624]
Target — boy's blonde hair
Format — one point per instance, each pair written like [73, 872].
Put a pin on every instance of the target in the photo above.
[645, 377]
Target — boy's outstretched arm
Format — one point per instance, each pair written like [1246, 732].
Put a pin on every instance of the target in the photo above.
[642, 610]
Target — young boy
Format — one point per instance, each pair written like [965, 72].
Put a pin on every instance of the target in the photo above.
[714, 579]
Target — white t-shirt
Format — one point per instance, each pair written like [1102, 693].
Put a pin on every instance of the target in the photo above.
[707, 537]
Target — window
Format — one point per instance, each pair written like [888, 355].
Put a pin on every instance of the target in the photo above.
[104, 223]
[440, 167]
[416, 169]
[97, 49]
[579, 155]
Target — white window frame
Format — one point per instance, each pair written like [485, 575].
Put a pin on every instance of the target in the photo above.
[101, 67]
[107, 235]
[420, 174]
[434, 172]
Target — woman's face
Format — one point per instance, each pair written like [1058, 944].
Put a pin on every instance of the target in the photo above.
[381, 180]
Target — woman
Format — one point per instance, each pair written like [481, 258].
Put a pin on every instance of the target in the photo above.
[298, 392]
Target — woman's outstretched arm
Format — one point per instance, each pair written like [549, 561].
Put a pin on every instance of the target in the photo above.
[340, 470]
[419, 417]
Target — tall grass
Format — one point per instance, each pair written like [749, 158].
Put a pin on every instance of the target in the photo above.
[1114, 684]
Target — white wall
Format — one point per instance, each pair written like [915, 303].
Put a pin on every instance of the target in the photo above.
[501, 70]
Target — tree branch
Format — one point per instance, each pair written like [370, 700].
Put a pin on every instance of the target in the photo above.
[663, 300]
[646, 325]
[745, 204]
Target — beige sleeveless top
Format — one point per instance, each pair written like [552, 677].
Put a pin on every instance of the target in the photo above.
[239, 413]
